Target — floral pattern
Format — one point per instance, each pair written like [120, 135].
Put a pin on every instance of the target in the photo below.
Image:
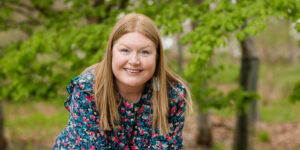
[135, 130]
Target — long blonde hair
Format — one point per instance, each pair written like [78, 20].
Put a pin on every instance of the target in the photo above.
[105, 98]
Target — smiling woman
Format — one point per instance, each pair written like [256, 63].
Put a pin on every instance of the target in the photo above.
[133, 64]
[130, 100]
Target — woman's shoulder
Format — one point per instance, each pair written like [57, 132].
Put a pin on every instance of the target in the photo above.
[85, 81]
[81, 83]
[176, 87]
[176, 91]
[177, 100]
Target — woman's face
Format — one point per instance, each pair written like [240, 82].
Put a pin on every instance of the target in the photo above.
[133, 60]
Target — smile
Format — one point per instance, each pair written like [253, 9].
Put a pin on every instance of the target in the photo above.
[133, 70]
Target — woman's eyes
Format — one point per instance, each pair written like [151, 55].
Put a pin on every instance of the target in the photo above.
[143, 52]
[124, 50]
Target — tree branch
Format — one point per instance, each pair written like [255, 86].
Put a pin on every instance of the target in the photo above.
[22, 9]
[13, 23]
[28, 7]
[23, 12]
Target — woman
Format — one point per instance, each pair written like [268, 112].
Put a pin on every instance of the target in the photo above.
[130, 100]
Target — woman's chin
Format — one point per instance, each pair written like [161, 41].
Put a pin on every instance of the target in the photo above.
[134, 85]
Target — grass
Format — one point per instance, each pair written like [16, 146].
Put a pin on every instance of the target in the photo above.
[263, 136]
[33, 125]
[218, 146]
[282, 75]
[280, 111]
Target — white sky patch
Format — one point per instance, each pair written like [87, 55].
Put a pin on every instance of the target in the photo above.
[120, 16]
[167, 42]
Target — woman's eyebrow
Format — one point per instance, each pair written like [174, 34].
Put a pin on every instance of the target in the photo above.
[139, 48]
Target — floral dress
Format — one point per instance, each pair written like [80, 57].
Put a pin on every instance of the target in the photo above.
[135, 130]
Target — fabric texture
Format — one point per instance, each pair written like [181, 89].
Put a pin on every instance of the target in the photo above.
[135, 131]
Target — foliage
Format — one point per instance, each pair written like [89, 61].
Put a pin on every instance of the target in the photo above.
[295, 95]
[37, 67]
[73, 37]
[62, 43]
[242, 98]
[71, 13]
[214, 25]
[237, 98]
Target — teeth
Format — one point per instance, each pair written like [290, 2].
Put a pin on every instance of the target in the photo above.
[133, 71]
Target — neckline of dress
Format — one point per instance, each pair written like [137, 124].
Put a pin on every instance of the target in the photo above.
[141, 99]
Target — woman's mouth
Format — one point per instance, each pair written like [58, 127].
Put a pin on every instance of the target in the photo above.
[133, 70]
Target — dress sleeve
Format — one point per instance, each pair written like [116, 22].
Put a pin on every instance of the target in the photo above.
[70, 89]
[82, 131]
[177, 104]
[176, 119]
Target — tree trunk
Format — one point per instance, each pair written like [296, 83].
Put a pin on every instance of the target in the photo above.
[241, 134]
[204, 137]
[3, 144]
[248, 80]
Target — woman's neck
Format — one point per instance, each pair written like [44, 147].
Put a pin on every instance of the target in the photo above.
[130, 94]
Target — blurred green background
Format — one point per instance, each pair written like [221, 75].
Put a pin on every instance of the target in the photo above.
[44, 44]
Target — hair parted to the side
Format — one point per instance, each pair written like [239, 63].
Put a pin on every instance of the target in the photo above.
[105, 96]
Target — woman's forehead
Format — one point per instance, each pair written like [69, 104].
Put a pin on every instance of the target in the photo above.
[134, 40]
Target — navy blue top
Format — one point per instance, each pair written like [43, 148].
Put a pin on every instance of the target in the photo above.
[135, 130]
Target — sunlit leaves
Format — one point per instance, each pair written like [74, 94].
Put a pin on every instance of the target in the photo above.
[40, 66]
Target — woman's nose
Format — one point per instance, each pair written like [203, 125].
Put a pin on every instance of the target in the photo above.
[134, 60]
